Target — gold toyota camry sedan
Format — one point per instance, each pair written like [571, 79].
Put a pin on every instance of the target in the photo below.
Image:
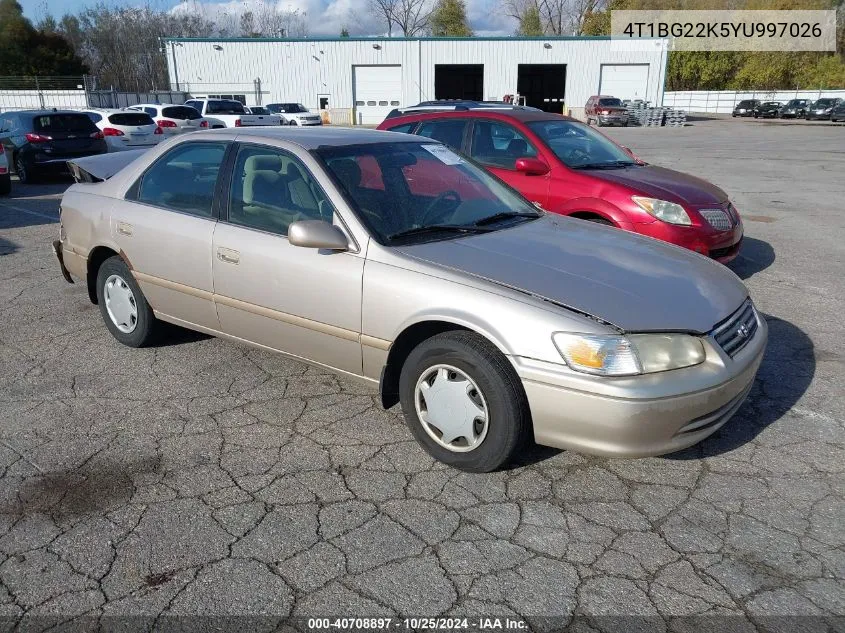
[390, 259]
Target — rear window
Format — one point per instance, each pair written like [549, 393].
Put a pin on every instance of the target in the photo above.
[131, 118]
[64, 123]
[181, 112]
[225, 107]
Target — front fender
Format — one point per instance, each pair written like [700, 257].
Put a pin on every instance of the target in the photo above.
[598, 206]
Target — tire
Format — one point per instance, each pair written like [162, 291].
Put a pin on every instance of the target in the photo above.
[24, 173]
[597, 220]
[5, 185]
[114, 271]
[498, 389]
[293, 122]
[598, 122]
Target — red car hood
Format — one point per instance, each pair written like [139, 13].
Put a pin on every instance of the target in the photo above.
[665, 184]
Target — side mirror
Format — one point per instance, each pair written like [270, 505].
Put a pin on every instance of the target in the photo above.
[317, 234]
[532, 166]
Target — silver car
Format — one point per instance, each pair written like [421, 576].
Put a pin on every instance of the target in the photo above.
[392, 260]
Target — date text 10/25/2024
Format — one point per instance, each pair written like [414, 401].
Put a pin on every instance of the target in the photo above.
[319, 625]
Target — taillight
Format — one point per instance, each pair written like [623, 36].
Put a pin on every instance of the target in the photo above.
[1, 149]
[100, 135]
[158, 130]
[110, 131]
[237, 123]
[37, 138]
[204, 124]
[165, 123]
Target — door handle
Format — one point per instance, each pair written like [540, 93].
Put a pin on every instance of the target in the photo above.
[228, 255]
[124, 228]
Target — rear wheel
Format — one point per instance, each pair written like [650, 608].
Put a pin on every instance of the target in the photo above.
[123, 306]
[598, 220]
[463, 401]
[24, 173]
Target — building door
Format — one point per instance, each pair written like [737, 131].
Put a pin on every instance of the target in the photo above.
[377, 90]
[459, 81]
[542, 85]
[624, 81]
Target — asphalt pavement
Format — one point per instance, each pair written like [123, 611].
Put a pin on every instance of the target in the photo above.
[204, 477]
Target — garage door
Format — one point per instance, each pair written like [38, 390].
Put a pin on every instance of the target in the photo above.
[625, 81]
[378, 89]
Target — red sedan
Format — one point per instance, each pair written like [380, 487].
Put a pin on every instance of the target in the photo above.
[569, 168]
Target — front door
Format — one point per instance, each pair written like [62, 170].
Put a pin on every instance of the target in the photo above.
[497, 146]
[301, 301]
[164, 229]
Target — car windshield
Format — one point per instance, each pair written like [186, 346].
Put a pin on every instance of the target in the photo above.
[772, 103]
[422, 191]
[579, 146]
[225, 107]
[745, 104]
[795, 102]
[610, 102]
[825, 103]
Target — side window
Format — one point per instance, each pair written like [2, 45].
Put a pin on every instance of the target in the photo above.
[499, 145]
[405, 128]
[184, 179]
[448, 131]
[272, 189]
[151, 111]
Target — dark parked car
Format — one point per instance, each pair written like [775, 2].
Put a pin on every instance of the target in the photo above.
[745, 107]
[39, 142]
[821, 109]
[768, 110]
[838, 113]
[795, 109]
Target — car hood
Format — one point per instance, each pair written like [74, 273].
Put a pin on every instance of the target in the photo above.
[662, 183]
[632, 282]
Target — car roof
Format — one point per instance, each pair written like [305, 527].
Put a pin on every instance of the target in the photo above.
[310, 138]
[486, 113]
[46, 112]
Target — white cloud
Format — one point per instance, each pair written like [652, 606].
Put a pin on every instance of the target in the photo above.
[328, 17]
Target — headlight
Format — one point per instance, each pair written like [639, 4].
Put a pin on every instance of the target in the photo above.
[609, 355]
[663, 210]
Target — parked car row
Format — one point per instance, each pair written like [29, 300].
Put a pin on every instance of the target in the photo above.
[827, 108]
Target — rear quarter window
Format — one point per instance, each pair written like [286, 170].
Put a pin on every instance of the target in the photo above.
[131, 118]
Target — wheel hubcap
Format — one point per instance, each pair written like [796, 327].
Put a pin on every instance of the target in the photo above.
[120, 304]
[451, 408]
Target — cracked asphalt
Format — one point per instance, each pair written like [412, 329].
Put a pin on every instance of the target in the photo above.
[202, 477]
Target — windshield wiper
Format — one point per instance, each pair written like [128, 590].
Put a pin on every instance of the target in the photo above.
[504, 215]
[437, 228]
[613, 164]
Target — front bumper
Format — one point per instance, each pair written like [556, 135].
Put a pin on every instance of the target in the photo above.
[613, 119]
[817, 116]
[643, 415]
[723, 246]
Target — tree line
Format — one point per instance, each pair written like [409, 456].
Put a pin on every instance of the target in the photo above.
[122, 45]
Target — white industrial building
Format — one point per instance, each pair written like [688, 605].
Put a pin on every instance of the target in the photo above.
[364, 78]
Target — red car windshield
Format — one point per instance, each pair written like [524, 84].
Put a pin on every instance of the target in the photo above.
[409, 188]
[578, 146]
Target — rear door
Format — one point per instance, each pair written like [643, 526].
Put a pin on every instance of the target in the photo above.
[165, 226]
[70, 133]
[497, 145]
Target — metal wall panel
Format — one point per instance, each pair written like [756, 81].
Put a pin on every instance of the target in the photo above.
[299, 70]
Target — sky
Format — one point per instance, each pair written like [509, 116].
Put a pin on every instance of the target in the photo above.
[324, 17]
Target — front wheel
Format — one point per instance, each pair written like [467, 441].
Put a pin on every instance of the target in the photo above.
[123, 306]
[464, 402]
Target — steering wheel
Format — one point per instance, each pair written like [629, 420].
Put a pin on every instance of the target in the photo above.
[449, 194]
[578, 156]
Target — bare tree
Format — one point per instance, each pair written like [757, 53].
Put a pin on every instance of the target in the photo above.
[273, 21]
[411, 16]
[558, 17]
[385, 10]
